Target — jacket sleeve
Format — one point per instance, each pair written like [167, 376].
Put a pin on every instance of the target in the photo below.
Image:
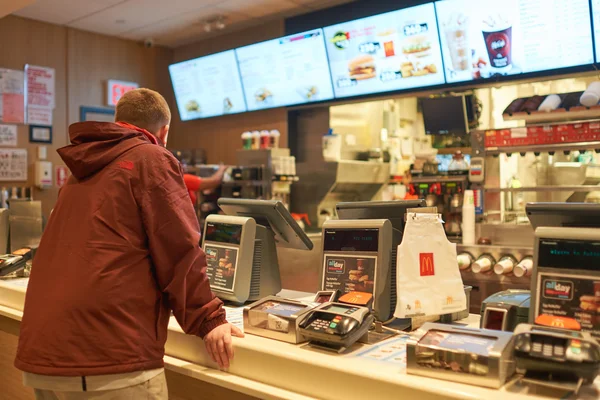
[174, 245]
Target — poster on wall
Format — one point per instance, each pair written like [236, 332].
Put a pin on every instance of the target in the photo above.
[8, 135]
[116, 89]
[13, 164]
[12, 96]
[40, 86]
[39, 116]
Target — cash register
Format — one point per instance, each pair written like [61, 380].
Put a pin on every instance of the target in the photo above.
[240, 248]
[359, 250]
[565, 287]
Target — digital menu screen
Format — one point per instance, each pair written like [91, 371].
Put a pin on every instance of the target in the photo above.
[208, 86]
[351, 240]
[285, 71]
[596, 20]
[392, 51]
[569, 254]
[483, 39]
[223, 233]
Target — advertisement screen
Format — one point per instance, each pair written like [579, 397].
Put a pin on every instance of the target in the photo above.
[285, 71]
[596, 18]
[483, 39]
[208, 86]
[393, 51]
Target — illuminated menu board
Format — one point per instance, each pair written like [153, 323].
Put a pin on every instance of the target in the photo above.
[484, 38]
[285, 71]
[392, 51]
[208, 86]
[596, 18]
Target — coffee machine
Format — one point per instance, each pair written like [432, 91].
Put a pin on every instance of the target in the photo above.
[446, 193]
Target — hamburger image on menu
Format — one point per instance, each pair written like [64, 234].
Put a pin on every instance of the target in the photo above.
[362, 67]
[412, 57]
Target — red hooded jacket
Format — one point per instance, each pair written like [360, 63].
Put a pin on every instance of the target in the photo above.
[120, 249]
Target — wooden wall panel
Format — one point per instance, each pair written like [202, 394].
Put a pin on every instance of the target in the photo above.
[23, 42]
[220, 136]
[83, 62]
[94, 59]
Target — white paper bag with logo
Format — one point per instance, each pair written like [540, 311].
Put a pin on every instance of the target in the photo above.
[428, 278]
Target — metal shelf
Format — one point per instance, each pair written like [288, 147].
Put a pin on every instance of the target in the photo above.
[440, 178]
[560, 115]
[578, 188]
[543, 148]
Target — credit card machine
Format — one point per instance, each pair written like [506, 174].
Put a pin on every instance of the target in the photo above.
[556, 352]
[336, 326]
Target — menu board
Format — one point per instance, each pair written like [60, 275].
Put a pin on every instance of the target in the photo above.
[596, 19]
[221, 264]
[208, 86]
[486, 38]
[392, 51]
[285, 71]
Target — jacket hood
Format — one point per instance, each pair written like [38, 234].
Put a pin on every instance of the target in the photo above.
[94, 145]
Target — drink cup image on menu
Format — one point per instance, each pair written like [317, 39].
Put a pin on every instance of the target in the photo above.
[456, 31]
[497, 34]
[480, 39]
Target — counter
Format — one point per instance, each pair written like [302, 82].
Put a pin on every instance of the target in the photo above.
[268, 369]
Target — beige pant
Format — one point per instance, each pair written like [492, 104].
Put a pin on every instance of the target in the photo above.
[154, 389]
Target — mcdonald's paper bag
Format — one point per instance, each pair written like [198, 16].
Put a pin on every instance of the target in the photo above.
[428, 278]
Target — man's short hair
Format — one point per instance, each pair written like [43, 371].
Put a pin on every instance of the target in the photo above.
[143, 108]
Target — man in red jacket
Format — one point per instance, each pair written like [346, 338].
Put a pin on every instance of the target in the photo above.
[121, 249]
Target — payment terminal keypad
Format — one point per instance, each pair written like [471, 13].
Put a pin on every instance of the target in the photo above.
[329, 323]
[549, 347]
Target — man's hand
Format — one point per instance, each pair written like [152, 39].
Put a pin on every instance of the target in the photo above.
[218, 343]
[220, 173]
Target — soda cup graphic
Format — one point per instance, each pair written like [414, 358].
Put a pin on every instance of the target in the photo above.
[497, 34]
[457, 39]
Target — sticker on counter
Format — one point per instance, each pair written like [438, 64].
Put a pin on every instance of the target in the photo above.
[221, 262]
[349, 273]
[569, 300]
[391, 351]
[235, 316]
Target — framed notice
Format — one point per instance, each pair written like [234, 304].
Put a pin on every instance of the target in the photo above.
[99, 114]
[13, 165]
[40, 134]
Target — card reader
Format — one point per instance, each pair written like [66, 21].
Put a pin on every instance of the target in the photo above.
[336, 326]
[556, 353]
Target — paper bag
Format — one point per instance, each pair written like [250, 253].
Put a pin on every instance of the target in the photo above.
[428, 277]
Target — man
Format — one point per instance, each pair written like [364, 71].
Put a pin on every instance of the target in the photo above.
[195, 184]
[121, 248]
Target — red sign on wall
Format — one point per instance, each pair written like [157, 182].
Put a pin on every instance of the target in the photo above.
[116, 89]
[62, 174]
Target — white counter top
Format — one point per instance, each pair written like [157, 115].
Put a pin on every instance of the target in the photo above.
[269, 369]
